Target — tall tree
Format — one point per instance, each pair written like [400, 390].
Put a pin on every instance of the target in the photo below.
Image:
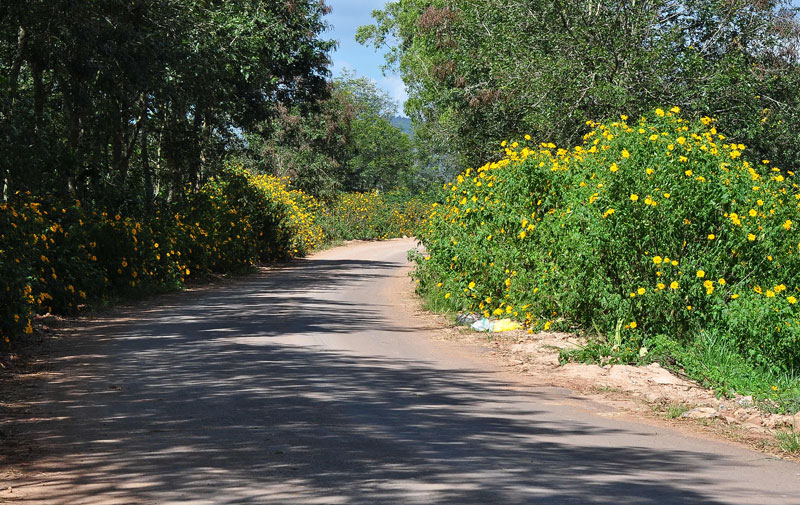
[346, 143]
[122, 100]
[480, 72]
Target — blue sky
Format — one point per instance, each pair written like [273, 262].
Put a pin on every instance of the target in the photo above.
[346, 17]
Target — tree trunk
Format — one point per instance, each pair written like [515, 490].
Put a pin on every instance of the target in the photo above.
[69, 88]
[147, 172]
[116, 150]
[17, 64]
[197, 163]
[38, 94]
[204, 145]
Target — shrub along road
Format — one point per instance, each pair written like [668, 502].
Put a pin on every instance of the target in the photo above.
[316, 383]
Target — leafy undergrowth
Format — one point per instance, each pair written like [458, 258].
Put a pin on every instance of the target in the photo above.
[655, 238]
[62, 257]
[710, 360]
[789, 441]
[374, 215]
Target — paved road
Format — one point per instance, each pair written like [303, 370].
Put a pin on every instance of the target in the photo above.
[312, 384]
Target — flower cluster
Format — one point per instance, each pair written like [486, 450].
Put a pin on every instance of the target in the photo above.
[653, 226]
[58, 258]
[374, 215]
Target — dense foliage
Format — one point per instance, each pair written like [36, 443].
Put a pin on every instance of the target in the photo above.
[375, 215]
[129, 102]
[346, 143]
[61, 258]
[650, 231]
[478, 72]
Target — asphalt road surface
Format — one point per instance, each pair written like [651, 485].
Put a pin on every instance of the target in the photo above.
[315, 384]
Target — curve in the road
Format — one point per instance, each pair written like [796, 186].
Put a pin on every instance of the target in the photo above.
[314, 384]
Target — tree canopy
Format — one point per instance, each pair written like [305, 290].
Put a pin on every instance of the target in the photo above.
[346, 143]
[480, 72]
[124, 100]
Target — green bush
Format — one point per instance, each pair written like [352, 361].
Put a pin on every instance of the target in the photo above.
[374, 215]
[657, 226]
[59, 258]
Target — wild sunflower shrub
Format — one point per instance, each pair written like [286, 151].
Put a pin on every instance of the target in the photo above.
[374, 215]
[59, 257]
[650, 231]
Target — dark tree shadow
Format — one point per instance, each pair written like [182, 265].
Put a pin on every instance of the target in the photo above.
[199, 401]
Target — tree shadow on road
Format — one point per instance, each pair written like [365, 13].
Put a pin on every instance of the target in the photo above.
[202, 401]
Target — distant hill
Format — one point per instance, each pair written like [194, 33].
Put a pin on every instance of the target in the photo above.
[404, 124]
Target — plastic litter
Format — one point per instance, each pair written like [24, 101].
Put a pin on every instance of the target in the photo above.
[467, 319]
[483, 325]
[506, 325]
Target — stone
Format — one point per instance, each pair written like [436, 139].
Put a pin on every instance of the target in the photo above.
[662, 380]
[701, 413]
[653, 397]
[774, 421]
[754, 427]
[753, 421]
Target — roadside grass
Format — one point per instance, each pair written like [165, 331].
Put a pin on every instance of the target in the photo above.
[788, 441]
[711, 360]
[714, 363]
[674, 411]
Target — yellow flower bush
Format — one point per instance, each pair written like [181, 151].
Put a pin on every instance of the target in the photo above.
[609, 224]
[58, 258]
[374, 215]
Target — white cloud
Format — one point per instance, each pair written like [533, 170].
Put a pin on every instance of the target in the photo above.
[338, 65]
[396, 88]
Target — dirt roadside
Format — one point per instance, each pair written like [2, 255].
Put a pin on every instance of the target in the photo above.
[651, 394]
